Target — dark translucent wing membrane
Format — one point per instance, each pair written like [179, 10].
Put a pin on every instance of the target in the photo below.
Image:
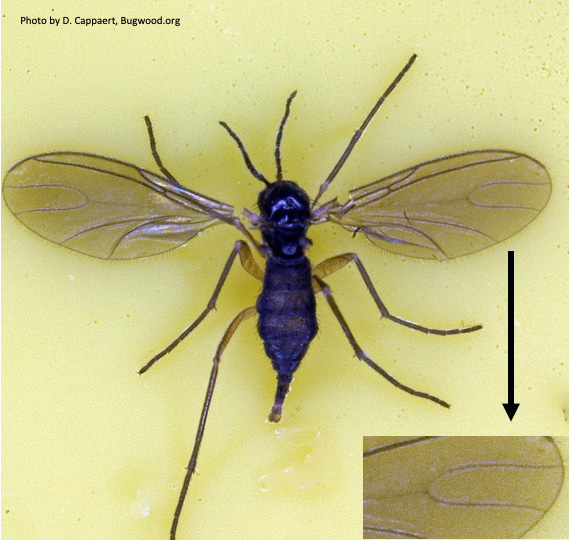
[449, 207]
[458, 487]
[106, 208]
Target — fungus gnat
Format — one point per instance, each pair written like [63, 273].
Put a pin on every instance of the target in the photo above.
[440, 209]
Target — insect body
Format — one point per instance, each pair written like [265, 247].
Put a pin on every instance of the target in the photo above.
[286, 306]
[440, 209]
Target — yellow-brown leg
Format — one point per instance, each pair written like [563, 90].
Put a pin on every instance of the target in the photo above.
[242, 316]
[249, 264]
[333, 264]
[361, 355]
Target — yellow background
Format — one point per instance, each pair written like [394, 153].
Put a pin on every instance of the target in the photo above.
[90, 450]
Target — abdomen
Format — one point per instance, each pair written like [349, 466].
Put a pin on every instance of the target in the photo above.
[287, 316]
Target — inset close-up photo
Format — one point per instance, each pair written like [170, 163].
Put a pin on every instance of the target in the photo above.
[465, 487]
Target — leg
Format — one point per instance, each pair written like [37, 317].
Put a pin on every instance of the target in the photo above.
[248, 263]
[340, 261]
[361, 355]
[155, 152]
[230, 220]
[360, 131]
[242, 316]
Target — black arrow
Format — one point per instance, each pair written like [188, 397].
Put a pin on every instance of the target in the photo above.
[511, 407]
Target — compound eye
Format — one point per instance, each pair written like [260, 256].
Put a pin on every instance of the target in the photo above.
[279, 216]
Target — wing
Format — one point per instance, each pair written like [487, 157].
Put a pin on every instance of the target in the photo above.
[458, 487]
[448, 207]
[106, 208]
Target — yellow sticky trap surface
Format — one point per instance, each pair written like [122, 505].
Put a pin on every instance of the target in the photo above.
[306, 465]
[90, 449]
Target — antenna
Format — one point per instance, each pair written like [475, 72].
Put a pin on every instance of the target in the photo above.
[279, 175]
[248, 162]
